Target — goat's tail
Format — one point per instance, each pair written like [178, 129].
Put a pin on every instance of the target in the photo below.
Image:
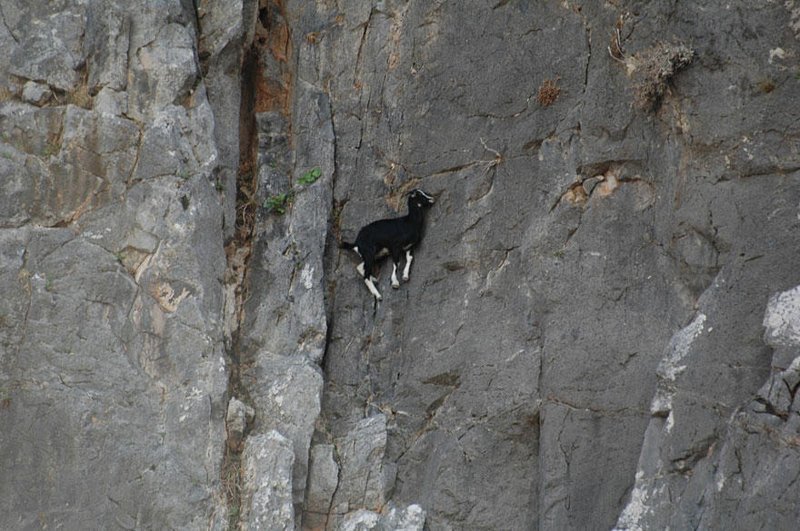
[346, 245]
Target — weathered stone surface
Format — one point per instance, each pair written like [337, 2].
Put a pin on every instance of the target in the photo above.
[47, 42]
[600, 327]
[267, 490]
[76, 160]
[113, 376]
[221, 47]
[285, 393]
[283, 334]
[412, 518]
[106, 47]
[237, 418]
[362, 481]
[722, 471]
[36, 93]
[108, 101]
[782, 319]
[518, 365]
[98, 378]
[164, 71]
[323, 477]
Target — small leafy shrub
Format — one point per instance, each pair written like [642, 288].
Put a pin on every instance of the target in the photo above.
[309, 177]
[278, 203]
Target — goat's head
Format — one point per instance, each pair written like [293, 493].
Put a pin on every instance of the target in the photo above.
[419, 199]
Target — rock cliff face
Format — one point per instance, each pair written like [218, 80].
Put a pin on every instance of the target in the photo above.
[602, 325]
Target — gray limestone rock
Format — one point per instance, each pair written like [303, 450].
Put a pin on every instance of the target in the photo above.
[601, 324]
[47, 42]
[412, 518]
[221, 45]
[36, 93]
[163, 72]
[267, 490]
[106, 46]
[108, 101]
[782, 319]
[113, 375]
[283, 333]
[362, 474]
[237, 419]
[323, 479]
[285, 393]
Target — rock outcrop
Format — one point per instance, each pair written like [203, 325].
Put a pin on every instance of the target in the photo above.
[601, 325]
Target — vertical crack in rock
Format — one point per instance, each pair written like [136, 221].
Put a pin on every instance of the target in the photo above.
[271, 373]
[238, 252]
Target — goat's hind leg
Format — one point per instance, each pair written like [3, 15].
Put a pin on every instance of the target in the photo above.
[407, 269]
[365, 270]
[370, 282]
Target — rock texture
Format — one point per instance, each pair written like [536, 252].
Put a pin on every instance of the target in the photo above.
[601, 325]
[113, 371]
[267, 497]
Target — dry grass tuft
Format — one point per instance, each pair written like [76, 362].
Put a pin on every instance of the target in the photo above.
[231, 481]
[80, 96]
[548, 92]
[766, 86]
[6, 94]
[654, 68]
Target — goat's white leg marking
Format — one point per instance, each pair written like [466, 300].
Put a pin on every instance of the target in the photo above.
[407, 269]
[360, 269]
[372, 288]
[395, 282]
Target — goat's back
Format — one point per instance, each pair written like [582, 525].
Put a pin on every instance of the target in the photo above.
[386, 233]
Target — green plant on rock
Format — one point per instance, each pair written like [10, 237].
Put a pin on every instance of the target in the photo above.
[278, 203]
[309, 177]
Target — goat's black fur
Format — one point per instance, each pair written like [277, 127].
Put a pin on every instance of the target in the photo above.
[390, 237]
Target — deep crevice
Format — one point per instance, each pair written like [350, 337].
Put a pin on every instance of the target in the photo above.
[265, 87]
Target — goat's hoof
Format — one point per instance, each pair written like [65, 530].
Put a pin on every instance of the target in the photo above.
[396, 286]
[405, 278]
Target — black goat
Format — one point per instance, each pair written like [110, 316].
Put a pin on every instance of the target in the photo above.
[390, 237]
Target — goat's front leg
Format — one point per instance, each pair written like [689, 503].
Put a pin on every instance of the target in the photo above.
[395, 282]
[407, 269]
[397, 254]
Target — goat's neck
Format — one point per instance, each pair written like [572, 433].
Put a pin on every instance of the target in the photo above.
[415, 215]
